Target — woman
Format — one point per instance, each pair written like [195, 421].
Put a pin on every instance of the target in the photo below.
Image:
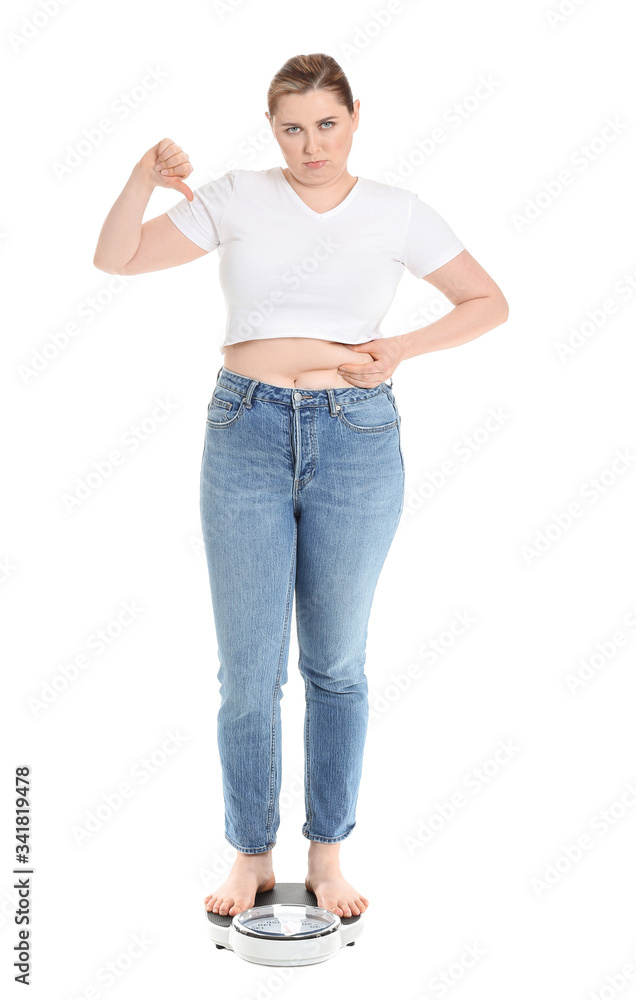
[302, 477]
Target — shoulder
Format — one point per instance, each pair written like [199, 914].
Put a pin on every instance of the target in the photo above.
[387, 197]
[237, 182]
[253, 179]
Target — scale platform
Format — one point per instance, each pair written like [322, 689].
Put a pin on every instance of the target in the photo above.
[284, 927]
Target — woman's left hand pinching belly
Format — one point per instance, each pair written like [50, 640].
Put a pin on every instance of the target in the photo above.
[386, 353]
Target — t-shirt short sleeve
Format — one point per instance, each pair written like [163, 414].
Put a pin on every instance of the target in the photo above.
[201, 218]
[430, 241]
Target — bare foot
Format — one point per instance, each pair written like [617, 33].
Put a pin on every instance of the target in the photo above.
[328, 884]
[251, 873]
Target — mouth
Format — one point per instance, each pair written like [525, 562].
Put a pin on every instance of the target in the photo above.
[314, 164]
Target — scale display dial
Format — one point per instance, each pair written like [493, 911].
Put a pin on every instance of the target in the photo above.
[285, 920]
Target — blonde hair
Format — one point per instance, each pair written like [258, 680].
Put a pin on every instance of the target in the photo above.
[302, 74]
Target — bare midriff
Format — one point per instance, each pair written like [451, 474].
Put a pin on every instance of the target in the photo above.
[293, 362]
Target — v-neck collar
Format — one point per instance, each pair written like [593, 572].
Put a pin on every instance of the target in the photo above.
[293, 194]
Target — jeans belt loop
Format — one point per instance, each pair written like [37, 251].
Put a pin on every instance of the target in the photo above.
[332, 403]
[248, 394]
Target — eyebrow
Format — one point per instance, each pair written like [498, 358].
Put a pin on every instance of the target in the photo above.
[327, 118]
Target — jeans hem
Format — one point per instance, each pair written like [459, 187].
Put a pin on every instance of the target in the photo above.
[250, 850]
[326, 840]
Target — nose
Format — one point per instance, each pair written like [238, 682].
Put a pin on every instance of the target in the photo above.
[311, 146]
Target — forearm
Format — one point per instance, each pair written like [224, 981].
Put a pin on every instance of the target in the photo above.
[464, 322]
[121, 233]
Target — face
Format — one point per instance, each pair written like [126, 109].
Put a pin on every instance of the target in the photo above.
[314, 128]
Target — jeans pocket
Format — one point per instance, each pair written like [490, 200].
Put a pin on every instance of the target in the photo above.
[372, 415]
[399, 427]
[225, 407]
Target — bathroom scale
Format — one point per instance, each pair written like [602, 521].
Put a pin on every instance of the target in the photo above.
[284, 927]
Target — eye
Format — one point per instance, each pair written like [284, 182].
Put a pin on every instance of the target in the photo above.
[298, 126]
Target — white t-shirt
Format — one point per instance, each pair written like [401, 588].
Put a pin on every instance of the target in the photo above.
[287, 271]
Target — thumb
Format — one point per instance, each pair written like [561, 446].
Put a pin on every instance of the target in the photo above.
[178, 185]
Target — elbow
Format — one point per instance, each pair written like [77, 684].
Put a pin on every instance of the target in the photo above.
[108, 269]
[502, 310]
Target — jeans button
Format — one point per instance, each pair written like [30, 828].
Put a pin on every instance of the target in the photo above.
[297, 395]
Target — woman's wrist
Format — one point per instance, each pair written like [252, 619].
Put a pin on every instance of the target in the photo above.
[409, 344]
[140, 176]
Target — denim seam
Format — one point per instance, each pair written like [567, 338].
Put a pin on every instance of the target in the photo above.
[277, 685]
[307, 769]
[329, 840]
[250, 850]
[232, 420]
[312, 432]
[369, 430]
[366, 430]
[283, 402]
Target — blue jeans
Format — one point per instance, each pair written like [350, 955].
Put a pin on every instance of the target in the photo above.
[301, 493]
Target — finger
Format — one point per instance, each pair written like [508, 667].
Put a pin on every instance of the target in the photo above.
[174, 159]
[363, 376]
[166, 148]
[183, 168]
[183, 188]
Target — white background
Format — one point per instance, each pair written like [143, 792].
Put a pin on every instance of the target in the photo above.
[441, 879]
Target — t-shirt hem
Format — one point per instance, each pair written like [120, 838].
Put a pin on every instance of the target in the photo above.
[443, 258]
[319, 335]
[188, 231]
